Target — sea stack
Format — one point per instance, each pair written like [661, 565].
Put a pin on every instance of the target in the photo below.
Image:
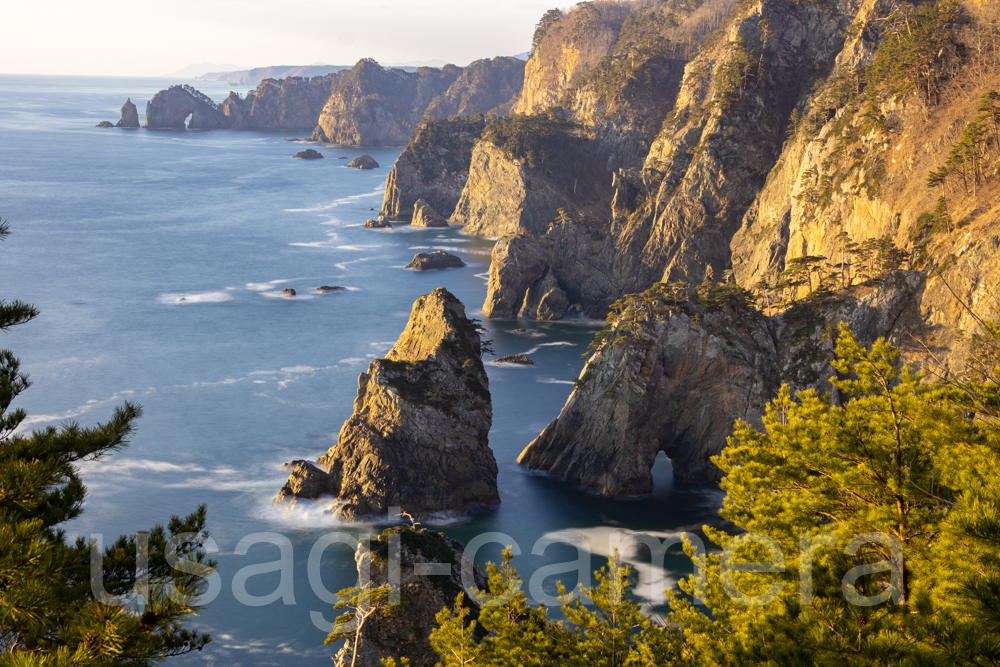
[424, 215]
[130, 115]
[419, 435]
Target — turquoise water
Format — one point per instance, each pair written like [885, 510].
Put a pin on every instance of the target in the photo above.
[112, 228]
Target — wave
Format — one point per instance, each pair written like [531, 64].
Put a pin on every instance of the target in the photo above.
[339, 202]
[554, 381]
[561, 343]
[215, 296]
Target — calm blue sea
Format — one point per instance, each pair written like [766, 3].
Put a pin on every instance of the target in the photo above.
[112, 228]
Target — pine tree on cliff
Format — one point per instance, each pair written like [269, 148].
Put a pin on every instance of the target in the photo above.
[49, 614]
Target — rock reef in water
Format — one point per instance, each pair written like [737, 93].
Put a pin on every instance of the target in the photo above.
[288, 291]
[680, 382]
[308, 154]
[130, 115]
[363, 162]
[330, 289]
[105, 123]
[430, 577]
[381, 223]
[418, 437]
[439, 259]
[424, 215]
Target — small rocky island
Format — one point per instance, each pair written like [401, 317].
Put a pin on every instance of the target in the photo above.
[419, 435]
[439, 259]
[330, 289]
[130, 115]
[424, 215]
[105, 123]
[381, 223]
[515, 359]
[308, 154]
[363, 162]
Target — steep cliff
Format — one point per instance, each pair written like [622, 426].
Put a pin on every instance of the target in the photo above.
[428, 579]
[673, 376]
[292, 103]
[523, 170]
[418, 437]
[434, 166]
[484, 86]
[170, 108]
[372, 106]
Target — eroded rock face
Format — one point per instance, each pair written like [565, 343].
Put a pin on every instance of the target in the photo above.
[373, 106]
[130, 115]
[434, 166]
[680, 384]
[504, 196]
[424, 215]
[439, 259]
[306, 481]
[291, 103]
[485, 86]
[170, 108]
[418, 438]
[403, 630]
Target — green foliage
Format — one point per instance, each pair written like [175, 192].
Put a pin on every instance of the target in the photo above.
[548, 19]
[614, 632]
[967, 158]
[444, 143]
[890, 454]
[49, 613]
[914, 50]
[539, 139]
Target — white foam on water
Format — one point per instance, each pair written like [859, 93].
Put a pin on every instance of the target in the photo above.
[527, 333]
[215, 296]
[72, 413]
[339, 202]
[353, 360]
[287, 297]
[554, 381]
[561, 343]
[343, 265]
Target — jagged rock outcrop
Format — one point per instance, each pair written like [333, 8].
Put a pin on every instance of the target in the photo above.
[130, 115]
[170, 108]
[372, 106]
[485, 86]
[381, 223]
[505, 195]
[418, 437]
[363, 162]
[291, 103]
[519, 359]
[308, 154]
[424, 215]
[434, 166]
[430, 577]
[306, 481]
[438, 259]
[680, 382]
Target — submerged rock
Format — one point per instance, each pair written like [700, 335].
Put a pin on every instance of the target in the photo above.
[419, 435]
[130, 115]
[429, 579]
[288, 291]
[309, 154]
[515, 359]
[329, 289]
[427, 261]
[363, 162]
[381, 223]
[424, 215]
[105, 123]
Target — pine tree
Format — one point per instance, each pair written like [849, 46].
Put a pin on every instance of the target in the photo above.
[49, 613]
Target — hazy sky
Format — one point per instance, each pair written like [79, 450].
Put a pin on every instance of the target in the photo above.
[156, 38]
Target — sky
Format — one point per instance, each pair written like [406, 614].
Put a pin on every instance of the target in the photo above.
[90, 37]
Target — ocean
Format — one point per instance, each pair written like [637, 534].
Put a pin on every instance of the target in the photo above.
[157, 259]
